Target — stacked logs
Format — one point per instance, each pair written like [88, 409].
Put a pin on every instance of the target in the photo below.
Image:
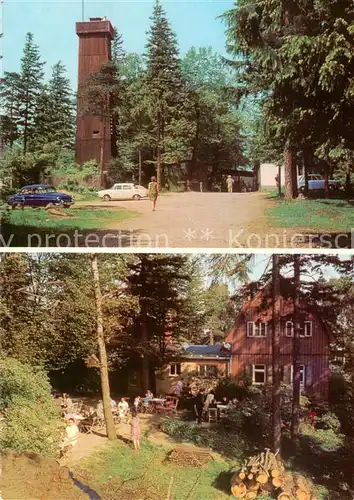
[265, 474]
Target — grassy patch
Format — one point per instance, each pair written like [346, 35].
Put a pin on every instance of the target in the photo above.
[322, 214]
[80, 218]
[148, 474]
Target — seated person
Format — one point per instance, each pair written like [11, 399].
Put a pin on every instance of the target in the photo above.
[123, 409]
[113, 403]
[67, 402]
[149, 394]
[100, 410]
[71, 435]
[225, 401]
[137, 402]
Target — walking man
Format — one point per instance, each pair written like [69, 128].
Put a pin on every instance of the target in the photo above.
[230, 184]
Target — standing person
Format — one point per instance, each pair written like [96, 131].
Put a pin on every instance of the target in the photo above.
[198, 406]
[135, 429]
[179, 388]
[230, 184]
[153, 190]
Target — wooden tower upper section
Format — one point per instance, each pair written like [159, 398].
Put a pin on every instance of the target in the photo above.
[95, 38]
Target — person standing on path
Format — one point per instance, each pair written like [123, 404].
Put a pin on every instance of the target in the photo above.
[153, 191]
[230, 184]
[135, 429]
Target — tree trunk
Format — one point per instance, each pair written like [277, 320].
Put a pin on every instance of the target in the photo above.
[106, 396]
[102, 179]
[158, 167]
[326, 179]
[305, 158]
[276, 357]
[145, 366]
[279, 181]
[290, 191]
[348, 187]
[295, 420]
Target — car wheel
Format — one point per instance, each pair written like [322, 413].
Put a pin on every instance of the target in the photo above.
[137, 197]
[60, 204]
[106, 197]
[19, 205]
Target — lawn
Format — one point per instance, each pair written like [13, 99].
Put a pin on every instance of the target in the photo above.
[332, 215]
[117, 472]
[79, 218]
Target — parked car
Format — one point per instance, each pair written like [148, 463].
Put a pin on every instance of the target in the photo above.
[123, 191]
[317, 183]
[39, 195]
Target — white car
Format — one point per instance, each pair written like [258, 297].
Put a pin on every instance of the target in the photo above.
[123, 191]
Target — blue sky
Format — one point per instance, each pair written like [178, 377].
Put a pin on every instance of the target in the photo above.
[53, 25]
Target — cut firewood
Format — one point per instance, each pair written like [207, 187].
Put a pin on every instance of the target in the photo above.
[275, 472]
[242, 475]
[236, 479]
[239, 490]
[277, 482]
[301, 494]
[284, 496]
[250, 476]
[262, 478]
[250, 495]
[253, 486]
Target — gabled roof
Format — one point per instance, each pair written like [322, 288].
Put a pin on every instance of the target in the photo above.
[262, 303]
[206, 351]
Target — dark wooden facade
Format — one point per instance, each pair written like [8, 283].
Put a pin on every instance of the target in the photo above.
[249, 351]
[95, 38]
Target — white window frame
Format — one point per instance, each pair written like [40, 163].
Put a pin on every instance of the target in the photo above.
[303, 373]
[307, 334]
[258, 370]
[287, 324]
[175, 367]
[254, 329]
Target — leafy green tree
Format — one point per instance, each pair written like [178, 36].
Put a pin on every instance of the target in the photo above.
[32, 421]
[216, 141]
[299, 57]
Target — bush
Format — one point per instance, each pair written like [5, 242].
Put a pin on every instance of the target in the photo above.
[32, 422]
[231, 388]
[324, 439]
[231, 445]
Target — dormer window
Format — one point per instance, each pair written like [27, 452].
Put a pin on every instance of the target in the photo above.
[289, 329]
[256, 329]
[307, 329]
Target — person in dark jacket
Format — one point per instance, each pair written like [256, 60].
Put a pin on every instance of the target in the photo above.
[198, 406]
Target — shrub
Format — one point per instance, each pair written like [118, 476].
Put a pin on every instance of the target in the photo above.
[328, 421]
[231, 445]
[324, 439]
[32, 422]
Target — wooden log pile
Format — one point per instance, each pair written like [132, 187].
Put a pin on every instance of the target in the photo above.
[189, 458]
[265, 474]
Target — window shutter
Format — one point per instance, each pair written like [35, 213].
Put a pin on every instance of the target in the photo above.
[308, 375]
[250, 328]
[269, 374]
[287, 374]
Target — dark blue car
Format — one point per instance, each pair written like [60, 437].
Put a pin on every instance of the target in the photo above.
[39, 195]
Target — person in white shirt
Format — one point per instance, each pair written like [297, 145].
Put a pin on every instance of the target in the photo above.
[71, 435]
[113, 403]
[123, 409]
[230, 184]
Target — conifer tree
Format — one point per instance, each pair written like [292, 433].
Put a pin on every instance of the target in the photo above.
[29, 90]
[62, 116]
[9, 88]
[169, 126]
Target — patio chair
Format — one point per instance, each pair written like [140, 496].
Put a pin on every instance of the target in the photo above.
[87, 426]
[212, 415]
[170, 405]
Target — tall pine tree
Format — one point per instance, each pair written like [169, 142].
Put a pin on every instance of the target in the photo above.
[29, 90]
[169, 127]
